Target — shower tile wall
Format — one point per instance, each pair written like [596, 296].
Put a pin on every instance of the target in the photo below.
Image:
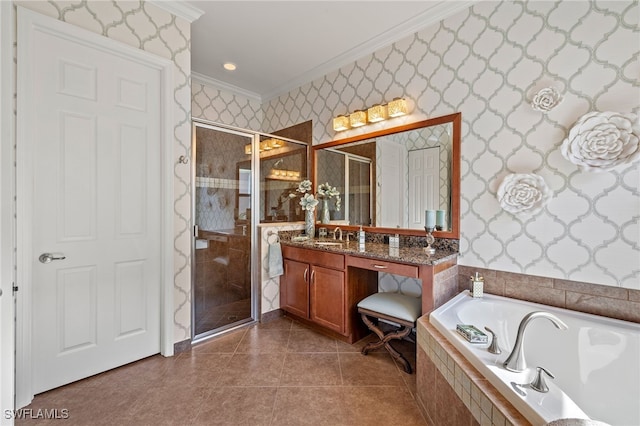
[216, 177]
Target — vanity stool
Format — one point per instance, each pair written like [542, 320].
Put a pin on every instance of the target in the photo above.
[394, 307]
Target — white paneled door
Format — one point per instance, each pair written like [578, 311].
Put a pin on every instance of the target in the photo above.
[424, 181]
[94, 164]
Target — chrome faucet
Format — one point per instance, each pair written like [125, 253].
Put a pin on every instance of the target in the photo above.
[515, 361]
[337, 232]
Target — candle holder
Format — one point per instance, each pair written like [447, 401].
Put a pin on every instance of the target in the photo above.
[430, 240]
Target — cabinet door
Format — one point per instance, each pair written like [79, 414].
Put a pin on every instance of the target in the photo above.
[294, 288]
[327, 298]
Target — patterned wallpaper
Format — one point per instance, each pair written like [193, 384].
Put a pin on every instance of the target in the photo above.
[219, 106]
[147, 27]
[487, 62]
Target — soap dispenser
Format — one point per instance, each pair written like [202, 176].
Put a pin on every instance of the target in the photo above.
[477, 286]
[361, 236]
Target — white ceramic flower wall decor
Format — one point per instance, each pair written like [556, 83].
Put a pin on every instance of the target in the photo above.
[546, 99]
[601, 141]
[523, 194]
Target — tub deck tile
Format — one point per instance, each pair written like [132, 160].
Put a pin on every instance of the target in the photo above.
[484, 403]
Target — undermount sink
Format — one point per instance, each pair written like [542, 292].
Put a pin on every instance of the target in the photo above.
[327, 243]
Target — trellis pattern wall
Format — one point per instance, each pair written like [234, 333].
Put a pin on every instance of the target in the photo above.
[147, 27]
[222, 107]
[487, 62]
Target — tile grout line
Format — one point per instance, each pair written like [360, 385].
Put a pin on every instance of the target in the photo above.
[275, 398]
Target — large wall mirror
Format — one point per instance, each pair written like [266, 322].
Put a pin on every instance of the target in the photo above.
[283, 165]
[388, 178]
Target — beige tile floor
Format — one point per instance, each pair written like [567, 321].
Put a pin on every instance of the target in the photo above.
[278, 373]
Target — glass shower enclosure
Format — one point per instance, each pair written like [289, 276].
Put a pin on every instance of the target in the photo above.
[241, 178]
[223, 197]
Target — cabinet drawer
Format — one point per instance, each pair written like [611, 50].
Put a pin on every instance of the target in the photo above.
[383, 266]
[314, 257]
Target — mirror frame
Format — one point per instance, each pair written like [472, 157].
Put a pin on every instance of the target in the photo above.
[456, 121]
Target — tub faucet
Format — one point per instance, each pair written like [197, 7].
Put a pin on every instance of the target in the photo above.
[337, 232]
[515, 361]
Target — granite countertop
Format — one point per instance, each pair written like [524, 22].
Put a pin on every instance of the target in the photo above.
[376, 250]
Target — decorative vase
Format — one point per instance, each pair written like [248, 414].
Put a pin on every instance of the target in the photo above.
[310, 223]
[324, 216]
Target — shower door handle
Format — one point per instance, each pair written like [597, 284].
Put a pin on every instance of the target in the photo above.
[49, 257]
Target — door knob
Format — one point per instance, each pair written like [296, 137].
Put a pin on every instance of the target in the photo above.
[48, 257]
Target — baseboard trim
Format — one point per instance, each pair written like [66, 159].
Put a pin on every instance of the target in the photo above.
[183, 346]
[271, 315]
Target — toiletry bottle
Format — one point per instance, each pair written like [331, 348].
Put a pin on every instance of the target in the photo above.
[361, 236]
[477, 286]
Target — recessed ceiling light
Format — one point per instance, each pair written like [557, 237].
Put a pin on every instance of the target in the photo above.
[229, 66]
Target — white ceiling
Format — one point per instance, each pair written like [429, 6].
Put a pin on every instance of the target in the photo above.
[280, 45]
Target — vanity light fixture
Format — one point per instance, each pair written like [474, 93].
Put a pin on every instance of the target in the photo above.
[276, 143]
[377, 113]
[265, 145]
[374, 114]
[358, 118]
[280, 174]
[341, 123]
[397, 107]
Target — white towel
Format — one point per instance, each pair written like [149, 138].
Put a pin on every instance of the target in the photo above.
[275, 260]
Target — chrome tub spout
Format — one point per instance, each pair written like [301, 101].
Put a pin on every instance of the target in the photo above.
[515, 361]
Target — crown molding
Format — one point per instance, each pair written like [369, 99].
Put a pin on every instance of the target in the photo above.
[435, 14]
[221, 85]
[179, 8]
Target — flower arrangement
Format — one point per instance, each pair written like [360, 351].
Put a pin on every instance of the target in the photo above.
[308, 201]
[327, 192]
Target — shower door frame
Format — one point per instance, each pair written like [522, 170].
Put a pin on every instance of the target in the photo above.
[253, 231]
[256, 279]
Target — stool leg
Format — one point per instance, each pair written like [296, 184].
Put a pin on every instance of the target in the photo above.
[372, 345]
[384, 341]
[400, 334]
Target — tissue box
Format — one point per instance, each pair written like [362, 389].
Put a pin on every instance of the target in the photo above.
[477, 288]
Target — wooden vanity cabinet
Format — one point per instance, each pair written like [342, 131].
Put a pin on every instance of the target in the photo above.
[294, 288]
[327, 298]
[313, 287]
[322, 288]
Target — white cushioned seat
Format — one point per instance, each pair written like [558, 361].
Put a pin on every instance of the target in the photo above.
[394, 305]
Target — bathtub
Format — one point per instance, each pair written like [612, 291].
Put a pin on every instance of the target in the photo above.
[596, 362]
